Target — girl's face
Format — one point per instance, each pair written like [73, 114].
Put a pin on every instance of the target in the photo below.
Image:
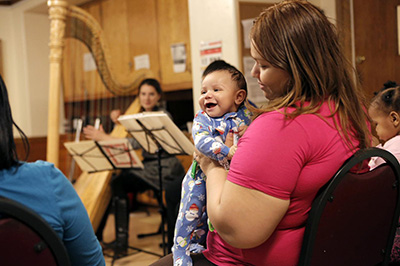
[272, 80]
[219, 94]
[387, 125]
[148, 97]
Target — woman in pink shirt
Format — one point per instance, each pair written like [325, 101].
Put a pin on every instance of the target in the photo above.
[314, 121]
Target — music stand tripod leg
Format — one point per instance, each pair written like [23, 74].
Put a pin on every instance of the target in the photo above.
[120, 246]
[160, 201]
[162, 210]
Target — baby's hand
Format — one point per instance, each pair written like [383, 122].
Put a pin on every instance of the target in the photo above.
[241, 130]
[232, 151]
[229, 139]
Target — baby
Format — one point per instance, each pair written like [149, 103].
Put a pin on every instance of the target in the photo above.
[223, 94]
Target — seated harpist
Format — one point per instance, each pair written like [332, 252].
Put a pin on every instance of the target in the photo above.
[139, 180]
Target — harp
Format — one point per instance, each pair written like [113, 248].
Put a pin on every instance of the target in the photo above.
[67, 21]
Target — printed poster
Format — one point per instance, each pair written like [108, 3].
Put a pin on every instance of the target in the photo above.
[210, 52]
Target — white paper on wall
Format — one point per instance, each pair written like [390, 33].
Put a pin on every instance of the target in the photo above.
[178, 51]
[255, 94]
[247, 24]
[142, 61]
[210, 52]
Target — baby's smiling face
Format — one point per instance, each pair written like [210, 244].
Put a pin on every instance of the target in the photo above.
[218, 94]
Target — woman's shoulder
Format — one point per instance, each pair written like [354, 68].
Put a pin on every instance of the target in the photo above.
[40, 177]
[39, 164]
[40, 168]
[279, 120]
[325, 110]
[276, 115]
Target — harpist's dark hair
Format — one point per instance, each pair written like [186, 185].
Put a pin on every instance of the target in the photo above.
[236, 75]
[151, 82]
[8, 151]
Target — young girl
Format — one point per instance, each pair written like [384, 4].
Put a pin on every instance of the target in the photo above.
[385, 113]
[222, 111]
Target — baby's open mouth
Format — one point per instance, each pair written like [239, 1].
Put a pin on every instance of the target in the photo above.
[210, 105]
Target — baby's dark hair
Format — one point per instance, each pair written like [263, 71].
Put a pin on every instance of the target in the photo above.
[220, 65]
[388, 98]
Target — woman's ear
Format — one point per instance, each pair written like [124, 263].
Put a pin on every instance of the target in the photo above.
[240, 97]
[395, 118]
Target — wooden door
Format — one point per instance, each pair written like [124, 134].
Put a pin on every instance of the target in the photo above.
[173, 29]
[248, 10]
[376, 43]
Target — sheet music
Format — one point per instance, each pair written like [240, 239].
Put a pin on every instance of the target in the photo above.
[167, 134]
[137, 131]
[121, 153]
[103, 155]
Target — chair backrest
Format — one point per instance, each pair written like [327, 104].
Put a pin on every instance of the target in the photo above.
[27, 239]
[354, 217]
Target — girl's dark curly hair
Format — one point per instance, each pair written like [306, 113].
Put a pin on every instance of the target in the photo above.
[387, 85]
[388, 98]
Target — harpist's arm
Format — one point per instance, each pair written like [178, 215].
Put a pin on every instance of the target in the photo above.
[91, 132]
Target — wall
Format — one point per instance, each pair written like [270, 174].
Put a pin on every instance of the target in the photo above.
[221, 23]
[13, 71]
[37, 53]
[203, 28]
[25, 54]
[24, 31]
[329, 6]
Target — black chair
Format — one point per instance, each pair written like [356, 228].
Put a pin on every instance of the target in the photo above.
[27, 239]
[354, 217]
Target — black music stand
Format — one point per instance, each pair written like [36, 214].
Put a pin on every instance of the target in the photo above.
[95, 156]
[156, 133]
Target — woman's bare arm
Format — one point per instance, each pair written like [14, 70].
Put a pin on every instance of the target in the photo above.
[243, 217]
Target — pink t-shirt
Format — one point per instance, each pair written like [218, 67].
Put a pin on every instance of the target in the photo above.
[287, 159]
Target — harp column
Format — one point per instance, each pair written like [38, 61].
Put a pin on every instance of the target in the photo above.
[57, 15]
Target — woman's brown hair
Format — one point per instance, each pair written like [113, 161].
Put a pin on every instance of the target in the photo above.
[297, 37]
